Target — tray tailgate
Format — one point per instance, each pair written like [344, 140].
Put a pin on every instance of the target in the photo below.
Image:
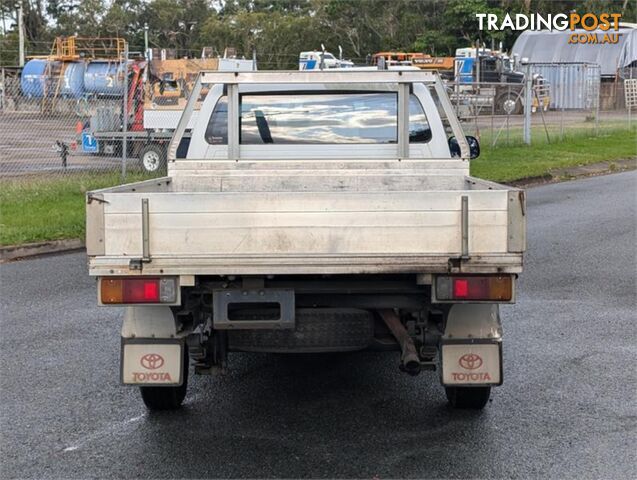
[300, 223]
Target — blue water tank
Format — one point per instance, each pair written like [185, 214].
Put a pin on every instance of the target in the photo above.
[34, 78]
[104, 78]
[73, 82]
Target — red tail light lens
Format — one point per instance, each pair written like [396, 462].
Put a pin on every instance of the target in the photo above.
[141, 290]
[460, 288]
[137, 290]
[475, 288]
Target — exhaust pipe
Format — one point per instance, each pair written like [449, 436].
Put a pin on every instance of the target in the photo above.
[409, 360]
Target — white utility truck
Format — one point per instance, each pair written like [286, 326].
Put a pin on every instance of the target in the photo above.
[322, 60]
[322, 211]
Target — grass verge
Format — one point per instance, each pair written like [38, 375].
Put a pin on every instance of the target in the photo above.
[509, 163]
[35, 210]
[51, 209]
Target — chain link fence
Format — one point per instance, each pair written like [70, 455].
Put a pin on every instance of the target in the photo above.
[71, 133]
[54, 133]
[566, 100]
[44, 138]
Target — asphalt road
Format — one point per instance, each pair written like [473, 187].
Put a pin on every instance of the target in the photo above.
[567, 408]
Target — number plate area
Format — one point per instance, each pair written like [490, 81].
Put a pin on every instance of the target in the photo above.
[263, 308]
[147, 363]
[472, 364]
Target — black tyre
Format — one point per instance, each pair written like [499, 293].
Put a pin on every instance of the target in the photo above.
[167, 398]
[153, 158]
[474, 398]
[508, 103]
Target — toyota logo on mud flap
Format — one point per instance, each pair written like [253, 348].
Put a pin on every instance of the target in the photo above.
[153, 361]
[470, 361]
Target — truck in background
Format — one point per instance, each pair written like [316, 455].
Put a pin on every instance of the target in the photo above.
[156, 99]
[104, 134]
[478, 78]
[488, 79]
[443, 65]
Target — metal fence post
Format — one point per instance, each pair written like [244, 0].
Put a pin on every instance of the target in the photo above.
[630, 97]
[125, 113]
[493, 120]
[527, 104]
[597, 100]
[2, 92]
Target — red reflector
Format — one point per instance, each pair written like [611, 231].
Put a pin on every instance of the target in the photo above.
[151, 290]
[460, 288]
[141, 290]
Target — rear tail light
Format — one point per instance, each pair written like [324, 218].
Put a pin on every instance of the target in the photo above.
[498, 288]
[118, 290]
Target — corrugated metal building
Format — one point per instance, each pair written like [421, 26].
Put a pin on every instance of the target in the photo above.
[572, 85]
[581, 74]
[546, 46]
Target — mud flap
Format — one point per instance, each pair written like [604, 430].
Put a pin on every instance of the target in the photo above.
[152, 362]
[471, 347]
[471, 364]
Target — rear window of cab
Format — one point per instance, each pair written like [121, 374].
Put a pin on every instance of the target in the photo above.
[318, 118]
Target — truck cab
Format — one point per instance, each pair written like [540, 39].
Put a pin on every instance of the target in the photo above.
[275, 121]
[490, 67]
[488, 81]
[314, 212]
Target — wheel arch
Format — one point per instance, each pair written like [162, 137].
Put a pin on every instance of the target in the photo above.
[473, 320]
[149, 322]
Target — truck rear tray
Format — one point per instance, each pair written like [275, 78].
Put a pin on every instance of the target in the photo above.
[222, 229]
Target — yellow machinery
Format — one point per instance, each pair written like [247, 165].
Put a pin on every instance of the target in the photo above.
[173, 79]
[166, 92]
[417, 59]
[68, 49]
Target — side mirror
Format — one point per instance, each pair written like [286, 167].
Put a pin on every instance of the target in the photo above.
[474, 147]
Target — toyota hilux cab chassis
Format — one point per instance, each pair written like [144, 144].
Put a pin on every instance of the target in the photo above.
[314, 212]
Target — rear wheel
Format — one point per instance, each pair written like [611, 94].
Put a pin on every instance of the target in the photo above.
[474, 398]
[167, 398]
[508, 103]
[153, 158]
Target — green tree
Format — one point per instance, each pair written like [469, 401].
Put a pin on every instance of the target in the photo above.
[458, 27]
[176, 23]
[279, 29]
